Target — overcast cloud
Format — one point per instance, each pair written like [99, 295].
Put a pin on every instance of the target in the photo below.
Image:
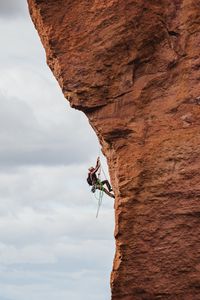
[12, 8]
[50, 241]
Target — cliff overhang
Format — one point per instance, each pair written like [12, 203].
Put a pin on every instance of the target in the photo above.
[133, 67]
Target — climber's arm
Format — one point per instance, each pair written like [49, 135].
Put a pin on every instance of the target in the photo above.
[97, 166]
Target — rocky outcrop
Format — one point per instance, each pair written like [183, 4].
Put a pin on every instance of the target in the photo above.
[133, 67]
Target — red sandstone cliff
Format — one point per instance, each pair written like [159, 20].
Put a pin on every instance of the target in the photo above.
[134, 68]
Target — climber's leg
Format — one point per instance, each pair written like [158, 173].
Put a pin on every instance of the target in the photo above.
[101, 188]
[106, 182]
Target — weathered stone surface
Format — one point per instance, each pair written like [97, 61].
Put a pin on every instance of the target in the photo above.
[134, 68]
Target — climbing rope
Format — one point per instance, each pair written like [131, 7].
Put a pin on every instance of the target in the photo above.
[101, 167]
[100, 198]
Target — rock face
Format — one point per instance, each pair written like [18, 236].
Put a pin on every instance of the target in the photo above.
[133, 67]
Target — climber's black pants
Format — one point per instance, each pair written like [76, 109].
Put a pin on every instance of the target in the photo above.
[106, 182]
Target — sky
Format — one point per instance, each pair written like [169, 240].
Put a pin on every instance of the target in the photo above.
[52, 246]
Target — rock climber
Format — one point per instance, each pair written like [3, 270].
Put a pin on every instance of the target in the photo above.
[97, 183]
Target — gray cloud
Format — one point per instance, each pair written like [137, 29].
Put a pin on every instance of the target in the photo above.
[55, 285]
[27, 142]
[10, 8]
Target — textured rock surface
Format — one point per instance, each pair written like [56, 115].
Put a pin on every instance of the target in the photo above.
[134, 68]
